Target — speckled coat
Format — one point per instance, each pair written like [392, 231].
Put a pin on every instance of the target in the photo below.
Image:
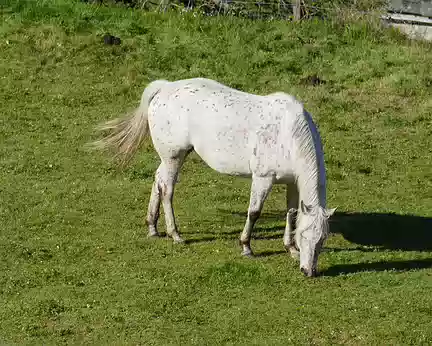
[233, 132]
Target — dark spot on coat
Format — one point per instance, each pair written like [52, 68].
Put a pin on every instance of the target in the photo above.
[164, 189]
[254, 215]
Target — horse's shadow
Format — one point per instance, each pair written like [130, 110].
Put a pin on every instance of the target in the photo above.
[369, 231]
[387, 231]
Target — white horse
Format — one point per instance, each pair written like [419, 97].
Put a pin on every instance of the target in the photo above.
[269, 138]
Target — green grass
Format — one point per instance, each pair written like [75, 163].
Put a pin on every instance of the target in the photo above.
[75, 266]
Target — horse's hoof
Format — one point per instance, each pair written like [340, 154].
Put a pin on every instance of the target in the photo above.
[295, 254]
[153, 235]
[179, 241]
[247, 253]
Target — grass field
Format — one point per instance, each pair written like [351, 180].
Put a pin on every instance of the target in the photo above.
[75, 265]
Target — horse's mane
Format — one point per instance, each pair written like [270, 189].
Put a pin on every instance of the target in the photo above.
[310, 158]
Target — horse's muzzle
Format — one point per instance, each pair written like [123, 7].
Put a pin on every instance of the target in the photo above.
[309, 273]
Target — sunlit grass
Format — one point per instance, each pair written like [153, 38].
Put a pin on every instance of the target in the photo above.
[75, 265]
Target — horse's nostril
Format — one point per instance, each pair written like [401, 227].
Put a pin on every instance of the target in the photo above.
[304, 271]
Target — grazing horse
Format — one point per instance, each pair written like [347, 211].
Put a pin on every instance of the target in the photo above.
[271, 139]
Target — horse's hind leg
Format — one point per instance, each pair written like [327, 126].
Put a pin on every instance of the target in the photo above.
[292, 206]
[259, 192]
[163, 189]
[166, 177]
[153, 209]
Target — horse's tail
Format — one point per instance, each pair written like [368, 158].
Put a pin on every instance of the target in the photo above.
[127, 133]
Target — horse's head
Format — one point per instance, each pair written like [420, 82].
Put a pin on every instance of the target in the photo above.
[311, 232]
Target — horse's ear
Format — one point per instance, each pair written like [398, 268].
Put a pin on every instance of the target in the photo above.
[330, 212]
[306, 209]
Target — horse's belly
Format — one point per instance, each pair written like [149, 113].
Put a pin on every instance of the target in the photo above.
[225, 160]
[222, 141]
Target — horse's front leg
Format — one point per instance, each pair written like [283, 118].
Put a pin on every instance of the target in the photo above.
[292, 196]
[259, 192]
